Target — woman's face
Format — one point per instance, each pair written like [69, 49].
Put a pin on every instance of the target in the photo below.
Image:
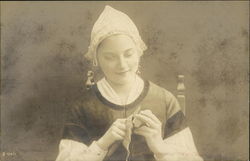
[118, 58]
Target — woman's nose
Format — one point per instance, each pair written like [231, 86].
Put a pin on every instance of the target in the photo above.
[122, 63]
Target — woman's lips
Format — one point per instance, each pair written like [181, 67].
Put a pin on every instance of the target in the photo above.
[123, 72]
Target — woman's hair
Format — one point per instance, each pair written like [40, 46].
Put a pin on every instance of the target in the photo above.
[138, 48]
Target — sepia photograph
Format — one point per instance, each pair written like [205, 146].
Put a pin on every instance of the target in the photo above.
[124, 81]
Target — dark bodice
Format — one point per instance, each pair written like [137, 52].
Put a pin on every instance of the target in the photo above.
[91, 117]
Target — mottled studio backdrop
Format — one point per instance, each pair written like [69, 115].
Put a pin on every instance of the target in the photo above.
[43, 70]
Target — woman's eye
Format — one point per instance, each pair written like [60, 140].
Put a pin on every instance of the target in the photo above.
[129, 54]
[109, 57]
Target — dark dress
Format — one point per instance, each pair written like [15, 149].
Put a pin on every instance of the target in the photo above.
[91, 117]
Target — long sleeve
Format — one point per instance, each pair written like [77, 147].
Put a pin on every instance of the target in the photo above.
[78, 142]
[179, 147]
[70, 150]
[179, 144]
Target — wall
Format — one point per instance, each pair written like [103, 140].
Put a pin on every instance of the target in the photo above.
[43, 69]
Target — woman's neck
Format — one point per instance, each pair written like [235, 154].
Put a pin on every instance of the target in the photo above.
[122, 90]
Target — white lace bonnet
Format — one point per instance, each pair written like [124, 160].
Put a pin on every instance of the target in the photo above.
[110, 22]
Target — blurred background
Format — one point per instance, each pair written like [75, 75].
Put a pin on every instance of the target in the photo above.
[43, 70]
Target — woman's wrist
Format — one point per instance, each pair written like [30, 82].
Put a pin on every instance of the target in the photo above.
[103, 143]
[157, 146]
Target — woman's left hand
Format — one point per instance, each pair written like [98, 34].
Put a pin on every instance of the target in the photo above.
[151, 130]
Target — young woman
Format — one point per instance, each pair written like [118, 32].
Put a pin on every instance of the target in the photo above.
[124, 117]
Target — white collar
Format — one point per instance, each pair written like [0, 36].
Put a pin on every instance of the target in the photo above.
[109, 93]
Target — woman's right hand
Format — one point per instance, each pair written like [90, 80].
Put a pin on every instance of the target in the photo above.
[116, 132]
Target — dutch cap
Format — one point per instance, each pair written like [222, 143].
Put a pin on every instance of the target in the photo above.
[111, 22]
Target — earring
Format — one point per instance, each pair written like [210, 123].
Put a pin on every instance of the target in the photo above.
[138, 70]
[90, 80]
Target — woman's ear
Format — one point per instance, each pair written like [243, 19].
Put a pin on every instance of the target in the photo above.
[139, 51]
